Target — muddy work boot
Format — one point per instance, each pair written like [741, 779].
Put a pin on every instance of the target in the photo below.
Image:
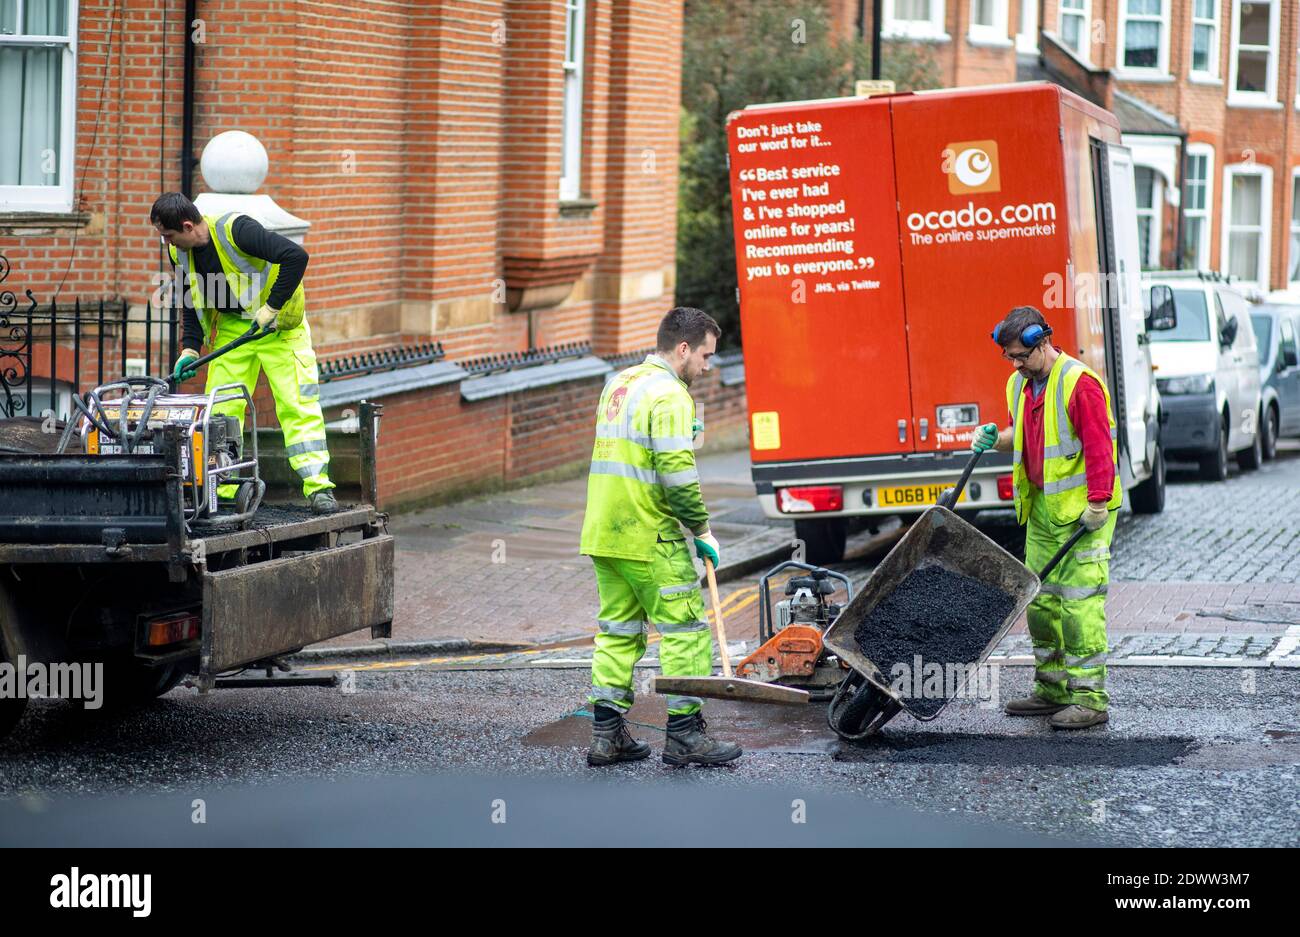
[1078, 717]
[611, 742]
[322, 502]
[1033, 706]
[689, 744]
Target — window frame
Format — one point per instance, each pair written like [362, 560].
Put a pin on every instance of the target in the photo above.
[1156, 213]
[1027, 41]
[997, 34]
[1267, 98]
[932, 28]
[1085, 13]
[51, 199]
[1203, 259]
[571, 104]
[1265, 174]
[1293, 229]
[1161, 68]
[1213, 73]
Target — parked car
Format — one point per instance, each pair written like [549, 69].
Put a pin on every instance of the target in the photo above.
[1279, 370]
[1207, 371]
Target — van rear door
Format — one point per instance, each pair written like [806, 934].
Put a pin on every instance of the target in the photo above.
[815, 219]
[1128, 363]
[982, 209]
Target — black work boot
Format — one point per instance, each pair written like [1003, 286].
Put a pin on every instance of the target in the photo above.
[322, 502]
[610, 740]
[689, 744]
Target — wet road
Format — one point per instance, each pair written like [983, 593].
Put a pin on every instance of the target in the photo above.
[1191, 757]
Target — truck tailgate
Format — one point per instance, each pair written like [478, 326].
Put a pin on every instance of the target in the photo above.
[266, 609]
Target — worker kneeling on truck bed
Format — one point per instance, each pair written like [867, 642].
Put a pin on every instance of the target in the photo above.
[239, 272]
[642, 490]
[1065, 473]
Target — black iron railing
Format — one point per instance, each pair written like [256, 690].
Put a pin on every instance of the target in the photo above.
[102, 338]
[628, 358]
[514, 360]
[387, 359]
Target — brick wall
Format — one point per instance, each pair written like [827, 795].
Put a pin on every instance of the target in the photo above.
[421, 138]
[434, 446]
[961, 61]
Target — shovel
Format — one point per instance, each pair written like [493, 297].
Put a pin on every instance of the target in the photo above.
[252, 335]
[727, 686]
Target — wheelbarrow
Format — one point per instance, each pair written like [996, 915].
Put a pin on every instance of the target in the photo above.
[865, 700]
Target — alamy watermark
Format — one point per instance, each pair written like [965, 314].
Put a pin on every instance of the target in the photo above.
[923, 679]
[23, 680]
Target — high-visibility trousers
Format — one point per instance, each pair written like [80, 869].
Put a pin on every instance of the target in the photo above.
[290, 366]
[1067, 620]
[663, 592]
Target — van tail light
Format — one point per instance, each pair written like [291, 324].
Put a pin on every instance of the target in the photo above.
[810, 499]
[1006, 489]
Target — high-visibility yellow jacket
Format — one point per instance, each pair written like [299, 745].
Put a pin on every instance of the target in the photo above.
[643, 484]
[250, 278]
[1065, 481]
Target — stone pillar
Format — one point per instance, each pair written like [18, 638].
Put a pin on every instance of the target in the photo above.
[234, 166]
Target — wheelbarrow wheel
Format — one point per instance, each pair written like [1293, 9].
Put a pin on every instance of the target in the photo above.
[861, 714]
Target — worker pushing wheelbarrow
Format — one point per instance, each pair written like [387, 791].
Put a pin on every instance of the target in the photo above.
[947, 594]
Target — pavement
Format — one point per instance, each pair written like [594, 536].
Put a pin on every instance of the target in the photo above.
[1216, 577]
[504, 569]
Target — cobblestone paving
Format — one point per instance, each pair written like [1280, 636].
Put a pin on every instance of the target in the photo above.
[1244, 530]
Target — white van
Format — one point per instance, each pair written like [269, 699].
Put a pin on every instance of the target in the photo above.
[1207, 371]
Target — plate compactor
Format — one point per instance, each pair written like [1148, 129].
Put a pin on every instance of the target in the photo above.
[791, 651]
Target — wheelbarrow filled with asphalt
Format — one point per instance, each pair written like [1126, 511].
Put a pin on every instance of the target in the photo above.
[927, 619]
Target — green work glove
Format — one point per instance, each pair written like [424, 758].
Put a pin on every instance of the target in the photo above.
[707, 546]
[181, 372]
[985, 438]
[697, 427]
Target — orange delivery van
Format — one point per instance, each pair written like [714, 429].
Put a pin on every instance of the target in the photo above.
[878, 241]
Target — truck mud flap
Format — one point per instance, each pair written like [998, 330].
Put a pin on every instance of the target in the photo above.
[266, 609]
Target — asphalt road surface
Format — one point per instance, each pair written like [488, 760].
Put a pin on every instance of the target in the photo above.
[1192, 756]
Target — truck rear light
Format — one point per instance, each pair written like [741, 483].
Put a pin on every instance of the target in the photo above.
[810, 499]
[173, 629]
[1006, 490]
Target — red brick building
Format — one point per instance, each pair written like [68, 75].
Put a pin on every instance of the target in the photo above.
[1220, 75]
[1205, 91]
[438, 149]
[493, 175]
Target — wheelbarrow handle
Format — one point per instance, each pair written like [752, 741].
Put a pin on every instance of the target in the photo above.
[253, 334]
[949, 498]
[1061, 553]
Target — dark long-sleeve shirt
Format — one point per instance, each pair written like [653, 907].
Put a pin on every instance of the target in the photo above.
[1091, 421]
[251, 238]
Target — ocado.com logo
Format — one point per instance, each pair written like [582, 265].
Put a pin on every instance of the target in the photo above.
[972, 166]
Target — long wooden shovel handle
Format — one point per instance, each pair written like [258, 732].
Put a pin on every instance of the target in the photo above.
[717, 616]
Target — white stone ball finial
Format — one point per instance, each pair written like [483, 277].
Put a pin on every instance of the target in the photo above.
[234, 162]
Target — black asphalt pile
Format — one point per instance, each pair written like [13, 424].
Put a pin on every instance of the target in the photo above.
[1059, 749]
[945, 617]
[26, 435]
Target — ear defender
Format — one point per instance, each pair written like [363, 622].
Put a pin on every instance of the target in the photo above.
[1030, 337]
